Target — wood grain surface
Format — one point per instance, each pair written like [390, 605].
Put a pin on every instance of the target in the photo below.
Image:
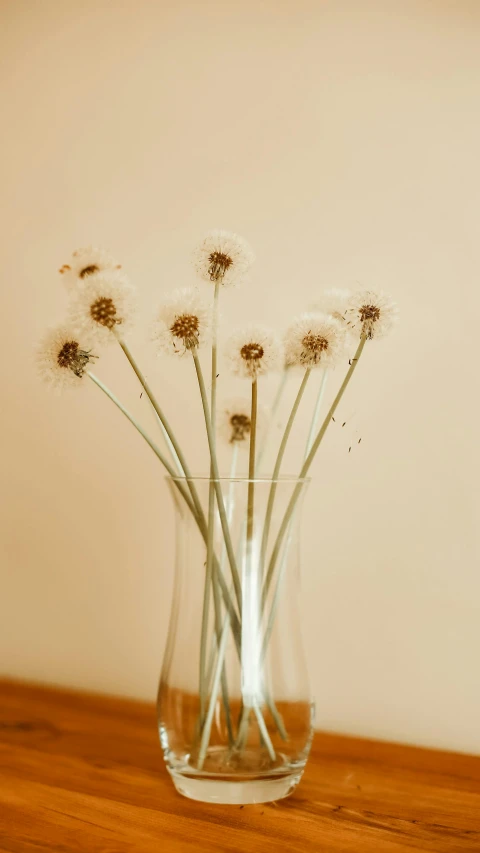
[85, 773]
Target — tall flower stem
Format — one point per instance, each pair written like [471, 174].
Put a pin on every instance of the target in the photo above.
[183, 463]
[278, 465]
[252, 687]
[217, 483]
[199, 517]
[283, 563]
[251, 467]
[207, 727]
[144, 435]
[230, 508]
[172, 473]
[165, 424]
[218, 486]
[251, 588]
[305, 468]
[316, 414]
[166, 439]
[209, 579]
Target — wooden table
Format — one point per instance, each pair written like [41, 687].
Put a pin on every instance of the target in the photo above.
[85, 773]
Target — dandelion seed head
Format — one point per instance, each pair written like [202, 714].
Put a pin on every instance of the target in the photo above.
[182, 324]
[105, 306]
[234, 422]
[370, 314]
[253, 352]
[223, 258]
[314, 340]
[63, 358]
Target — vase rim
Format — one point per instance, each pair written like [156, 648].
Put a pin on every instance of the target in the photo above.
[282, 478]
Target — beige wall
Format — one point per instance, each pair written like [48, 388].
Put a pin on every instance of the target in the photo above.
[342, 139]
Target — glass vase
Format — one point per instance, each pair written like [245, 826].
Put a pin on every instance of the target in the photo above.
[235, 713]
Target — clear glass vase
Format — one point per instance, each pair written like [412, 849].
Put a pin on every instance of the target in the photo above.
[235, 713]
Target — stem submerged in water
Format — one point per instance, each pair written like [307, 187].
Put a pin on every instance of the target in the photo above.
[210, 580]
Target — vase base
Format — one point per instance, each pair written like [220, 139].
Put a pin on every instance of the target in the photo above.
[237, 793]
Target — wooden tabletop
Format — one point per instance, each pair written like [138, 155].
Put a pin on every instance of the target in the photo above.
[85, 773]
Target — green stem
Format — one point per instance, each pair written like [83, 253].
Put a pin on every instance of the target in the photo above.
[316, 414]
[230, 508]
[209, 579]
[264, 732]
[278, 465]
[213, 696]
[306, 465]
[199, 517]
[165, 424]
[217, 483]
[251, 468]
[278, 586]
[144, 435]
[166, 439]
[182, 462]
[251, 623]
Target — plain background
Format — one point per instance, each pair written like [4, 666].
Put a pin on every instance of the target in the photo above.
[342, 140]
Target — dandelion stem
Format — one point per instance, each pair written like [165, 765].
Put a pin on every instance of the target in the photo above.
[144, 435]
[251, 621]
[217, 483]
[306, 465]
[211, 576]
[180, 457]
[220, 667]
[166, 439]
[209, 579]
[230, 508]
[264, 732]
[278, 464]
[165, 424]
[316, 414]
[251, 467]
[251, 588]
[283, 564]
[199, 516]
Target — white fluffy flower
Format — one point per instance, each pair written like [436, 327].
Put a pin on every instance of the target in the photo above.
[223, 257]
[332, 301]
[234, 422]
[63, 357]
[104, 308]
[182, 323]
[85, 263]
[254, 351]
[370, 314]
[314, 340]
